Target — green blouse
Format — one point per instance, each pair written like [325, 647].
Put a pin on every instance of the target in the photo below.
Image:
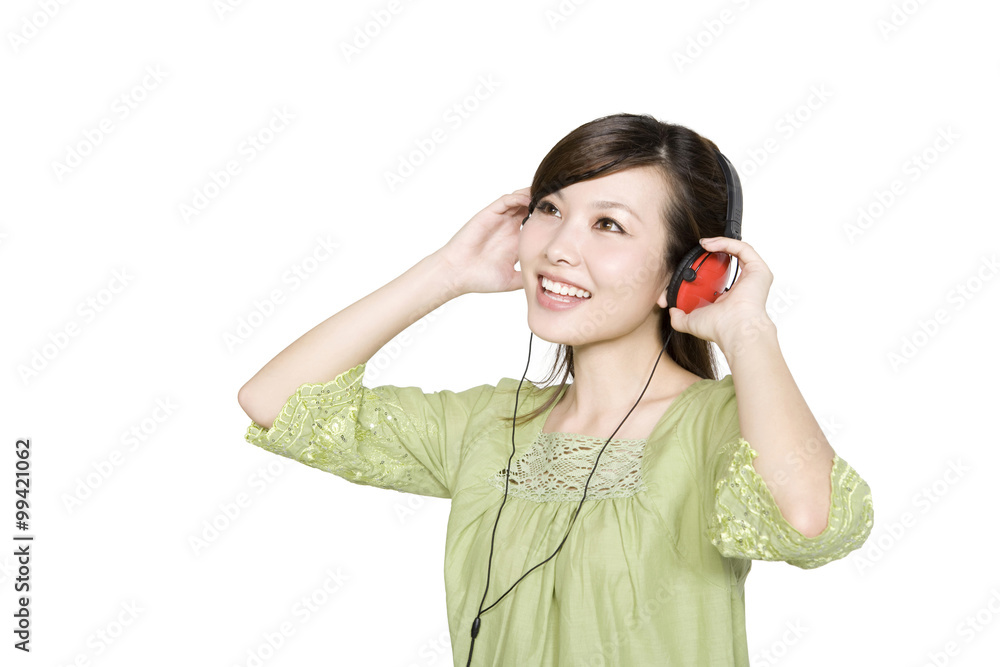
[653, 569]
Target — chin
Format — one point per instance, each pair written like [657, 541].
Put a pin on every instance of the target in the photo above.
[552, 333]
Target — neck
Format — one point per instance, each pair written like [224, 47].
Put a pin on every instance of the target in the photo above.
[609, 377]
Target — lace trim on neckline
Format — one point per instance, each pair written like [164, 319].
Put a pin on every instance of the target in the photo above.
[562, 434]
[556, 467]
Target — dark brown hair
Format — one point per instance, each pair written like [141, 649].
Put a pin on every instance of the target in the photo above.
[695, 207]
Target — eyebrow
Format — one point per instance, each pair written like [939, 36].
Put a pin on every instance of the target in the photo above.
[606, 204]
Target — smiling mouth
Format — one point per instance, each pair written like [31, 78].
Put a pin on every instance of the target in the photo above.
[553, 301]
[555, 290]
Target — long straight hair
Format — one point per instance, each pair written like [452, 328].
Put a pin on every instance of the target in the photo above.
[695, 208]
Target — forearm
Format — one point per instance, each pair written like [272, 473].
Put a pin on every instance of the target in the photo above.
[794, 457]
[348, 338]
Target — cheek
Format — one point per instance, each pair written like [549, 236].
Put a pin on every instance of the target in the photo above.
[631, 278]
[617, 270]
[527, 241]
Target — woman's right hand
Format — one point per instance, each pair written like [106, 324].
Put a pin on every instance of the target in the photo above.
[483, 253]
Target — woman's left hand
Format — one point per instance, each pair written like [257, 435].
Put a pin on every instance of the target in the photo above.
[735, 311]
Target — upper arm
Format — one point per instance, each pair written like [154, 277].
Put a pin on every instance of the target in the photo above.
[391, 437]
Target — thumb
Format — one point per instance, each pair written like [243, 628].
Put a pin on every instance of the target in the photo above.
[678, 320]
[516, 282]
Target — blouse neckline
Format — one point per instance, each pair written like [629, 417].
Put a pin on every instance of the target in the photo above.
[663, 418]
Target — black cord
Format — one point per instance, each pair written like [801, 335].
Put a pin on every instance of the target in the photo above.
[476, 623]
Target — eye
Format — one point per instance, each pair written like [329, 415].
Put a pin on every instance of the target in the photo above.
[621, 230]
[547, 208]
[544, 206]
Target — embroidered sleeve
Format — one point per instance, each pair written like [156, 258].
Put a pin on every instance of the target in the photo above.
[744, 520]
[748, 524]
[389, 437]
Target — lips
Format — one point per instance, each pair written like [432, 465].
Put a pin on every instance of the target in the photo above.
[556, 302]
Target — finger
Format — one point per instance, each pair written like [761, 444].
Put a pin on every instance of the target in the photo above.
[509, 202]
[678, 320]
[518, 198]
[740, 249]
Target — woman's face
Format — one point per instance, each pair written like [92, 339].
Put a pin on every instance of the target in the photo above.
[584, 235]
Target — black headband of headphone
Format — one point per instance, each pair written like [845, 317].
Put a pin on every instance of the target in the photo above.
[734, 207]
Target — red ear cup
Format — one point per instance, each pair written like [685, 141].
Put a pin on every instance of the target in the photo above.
[700, 279]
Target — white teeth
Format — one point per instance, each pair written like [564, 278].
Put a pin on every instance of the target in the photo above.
[563, 289]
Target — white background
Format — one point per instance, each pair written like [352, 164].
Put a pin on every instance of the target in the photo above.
[843, 303]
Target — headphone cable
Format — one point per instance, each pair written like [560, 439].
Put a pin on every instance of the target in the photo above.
[477, 621]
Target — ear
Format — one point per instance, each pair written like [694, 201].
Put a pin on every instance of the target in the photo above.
[662, 301]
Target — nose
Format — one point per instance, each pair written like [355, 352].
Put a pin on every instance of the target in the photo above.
[564, 243]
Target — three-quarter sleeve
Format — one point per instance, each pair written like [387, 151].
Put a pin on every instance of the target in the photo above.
[747, 523]
[390, 437]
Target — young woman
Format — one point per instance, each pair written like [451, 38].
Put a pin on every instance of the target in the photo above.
[614, 520]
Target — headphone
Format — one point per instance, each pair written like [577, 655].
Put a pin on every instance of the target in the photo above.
[699, 279]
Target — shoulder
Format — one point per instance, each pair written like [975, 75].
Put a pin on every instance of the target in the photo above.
[526, 393]
[707, 392]
[511, 386]
[487, 399]
[707, 410]
[716, 401]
